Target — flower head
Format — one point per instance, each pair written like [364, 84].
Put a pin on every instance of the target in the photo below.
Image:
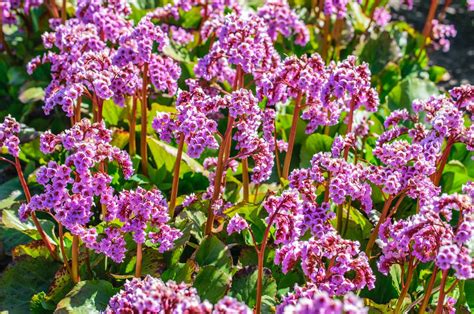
[9, 130]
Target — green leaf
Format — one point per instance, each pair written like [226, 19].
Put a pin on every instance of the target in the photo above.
[388, 79]
[10, 200]
[244, 284]
[90, 296]
[437, 73]
[377, 52]
[314, 143]
[385, 290]
[17, 75]
[165, 155]
[10, 238]
[455, 175]
[46, 302]
[34, 249]
[153, 262]
[9, 187]
[120, 138]
[180, 272]
[177, 53]
[212, 283]
[21, 280]
[192, 18]
[10, 220]
[31, 94]
[469, 292]
[409, 89]
[213, 251]
[112, 112]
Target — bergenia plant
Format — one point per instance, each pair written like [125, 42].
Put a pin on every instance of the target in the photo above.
[234, 157]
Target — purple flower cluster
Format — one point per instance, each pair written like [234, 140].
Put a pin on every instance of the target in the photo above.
[382, 16]
[281, 19]
[334, 264]
[70, 189]
[108, 16]
[242, 41]
[428, 236]
[9, 130]
[152, 295]
[237, 224]
[345, 179]
[195, 121]
[440, 34]
[191, 121]
[101, 56]
[145, 214]
[311, 300]
[337, 7]
[11, 9]
[328, 90]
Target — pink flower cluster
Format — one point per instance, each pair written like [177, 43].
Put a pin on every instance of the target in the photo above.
[328, 90]
[242, 41]
[9, 9]
[237, 224]
[281, 19]
[382, 16]
[332, 263]
[102, 56]
[70, 189]
[195, 121]
[145, 214]
[9, 130]
[312, 300]
[428, 236]
[152, 295]
[440, 34]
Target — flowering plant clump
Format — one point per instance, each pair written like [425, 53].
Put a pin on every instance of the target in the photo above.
[230, 157]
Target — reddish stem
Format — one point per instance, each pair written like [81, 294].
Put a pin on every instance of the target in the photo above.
[245, 179]
[177, 164]
[291, 140]
[144, 122]
[138, 265]
[63, 12]
[132, 143]
[428, 290]
[38, 226]
[429, 18]
[75, 259]
[375, 232]
[411, 268]
[261, 257]
[325, 37]
[442, 292]
[63, 249]
[219, 173]
[442, 162]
